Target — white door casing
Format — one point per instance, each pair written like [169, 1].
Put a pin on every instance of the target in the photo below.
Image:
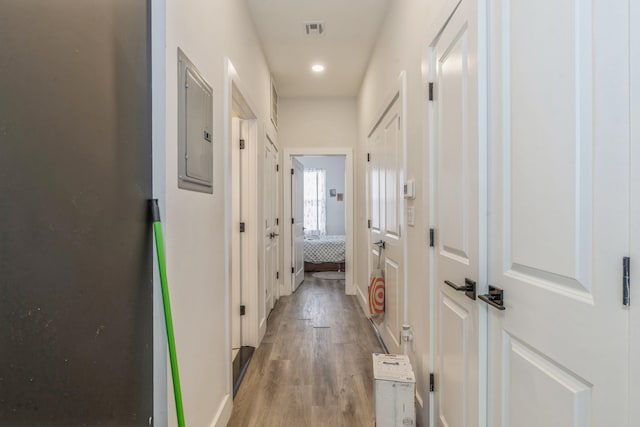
[236, 238]
[459, 219]
[386, 211]
[288, 154]
[559, 353]
[297, 185]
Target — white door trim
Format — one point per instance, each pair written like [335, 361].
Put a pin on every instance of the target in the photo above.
[237, 97]
[350, 286]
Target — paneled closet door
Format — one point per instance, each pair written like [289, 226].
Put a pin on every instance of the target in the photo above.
[460, 222]
[559, 223]
[385, 177]
[271, 225]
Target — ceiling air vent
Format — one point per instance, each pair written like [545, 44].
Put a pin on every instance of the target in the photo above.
[315, 28]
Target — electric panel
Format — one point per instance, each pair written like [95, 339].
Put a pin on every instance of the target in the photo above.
[195, 128]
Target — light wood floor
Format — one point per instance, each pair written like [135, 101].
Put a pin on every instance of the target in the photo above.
[313, 367]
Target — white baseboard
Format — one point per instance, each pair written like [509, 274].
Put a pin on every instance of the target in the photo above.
[363, 300]
[223, 415]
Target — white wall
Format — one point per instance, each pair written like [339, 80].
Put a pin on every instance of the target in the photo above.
[403, 40]
[317, 122]
[334, 167]
[207, 31]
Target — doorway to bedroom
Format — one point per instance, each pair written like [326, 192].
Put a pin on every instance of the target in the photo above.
[318, 198]
[320, 206]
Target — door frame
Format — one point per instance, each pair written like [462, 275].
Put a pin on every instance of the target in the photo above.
[237, 98]
[288, 154]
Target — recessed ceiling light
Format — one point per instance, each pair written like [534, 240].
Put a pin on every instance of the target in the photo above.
[317, 68]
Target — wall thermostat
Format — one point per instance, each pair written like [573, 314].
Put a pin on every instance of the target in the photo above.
[410, 189]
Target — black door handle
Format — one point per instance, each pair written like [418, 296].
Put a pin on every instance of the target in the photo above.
[381, 244]
[469, 287]
[494, 298]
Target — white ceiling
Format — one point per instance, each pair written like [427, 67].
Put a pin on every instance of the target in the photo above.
[350, 32]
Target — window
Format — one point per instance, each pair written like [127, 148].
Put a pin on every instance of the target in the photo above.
[315, 209]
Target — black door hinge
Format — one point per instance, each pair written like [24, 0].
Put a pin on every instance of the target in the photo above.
[432, 382]
[277, 274]
[242, 144]
[291, 171]
[243, 310]
[277, 168]
[430, 91]
[293, 270]
[368, 157]
[292, 221]
[626, 281]
[277, 221]
[242, 227]
[368, 223]
[432, 238]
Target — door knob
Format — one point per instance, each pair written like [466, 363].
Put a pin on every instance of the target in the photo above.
[273, 235]
[494, 298]
[469, 287]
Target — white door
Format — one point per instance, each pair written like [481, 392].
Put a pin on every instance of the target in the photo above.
[386, 213]
[275, 215]
[559, 352]
[297, 184]
[459, 202]
[271, 226]
[236, 237]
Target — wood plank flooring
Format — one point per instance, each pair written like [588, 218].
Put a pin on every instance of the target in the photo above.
[313, 367]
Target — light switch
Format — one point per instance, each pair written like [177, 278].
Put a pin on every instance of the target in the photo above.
[411, 215]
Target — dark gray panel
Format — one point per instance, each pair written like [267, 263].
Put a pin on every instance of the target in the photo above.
[75, 244]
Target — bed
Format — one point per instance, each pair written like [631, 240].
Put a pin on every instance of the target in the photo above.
[324, 253]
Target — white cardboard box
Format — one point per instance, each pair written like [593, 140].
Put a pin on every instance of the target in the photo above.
[395, 388]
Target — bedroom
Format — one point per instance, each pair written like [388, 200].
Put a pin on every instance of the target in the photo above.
[323, 205]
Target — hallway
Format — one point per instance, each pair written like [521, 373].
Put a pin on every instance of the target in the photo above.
[155, 224]
[314, 364]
